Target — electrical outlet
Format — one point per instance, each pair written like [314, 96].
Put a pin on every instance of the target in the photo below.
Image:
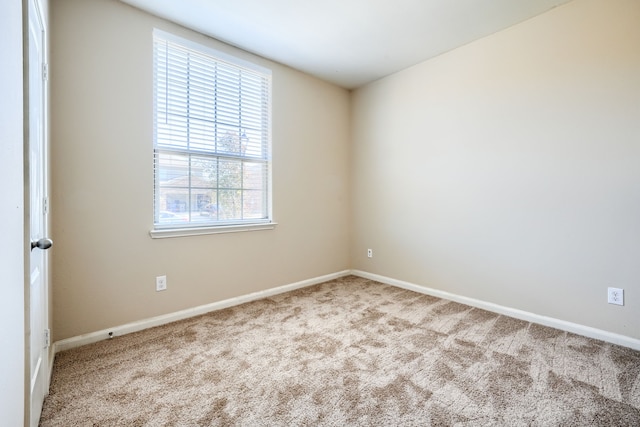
[369, 253]
[161, 283]
[615, 296]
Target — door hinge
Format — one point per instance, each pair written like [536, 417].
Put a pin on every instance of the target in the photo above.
[45, 72]
[45, 205]
[47, 337]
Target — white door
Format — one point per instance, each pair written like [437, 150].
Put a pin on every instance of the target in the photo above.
[38, 294]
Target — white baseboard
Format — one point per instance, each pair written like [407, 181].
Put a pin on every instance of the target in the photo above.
[575, 328]
[563, 325]
[128, 328]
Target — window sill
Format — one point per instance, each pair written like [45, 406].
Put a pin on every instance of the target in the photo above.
[198, 231]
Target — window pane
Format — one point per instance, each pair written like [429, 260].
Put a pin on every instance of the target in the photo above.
[253, 176]
[229, 141]
[202, 134]
[204, 171]
[172, 169]
[168, 217]
[230, 204]
[204, 206]
[230, 174]
[254, 204]
[174, 201]
[255, 145]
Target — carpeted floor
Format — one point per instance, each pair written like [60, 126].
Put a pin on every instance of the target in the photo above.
[350, 352]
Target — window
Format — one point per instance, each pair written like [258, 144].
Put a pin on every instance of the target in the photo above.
[212, 154]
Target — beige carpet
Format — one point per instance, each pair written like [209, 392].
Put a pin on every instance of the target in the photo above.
[349, 352]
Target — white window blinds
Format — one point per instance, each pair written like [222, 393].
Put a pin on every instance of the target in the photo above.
[212, 155]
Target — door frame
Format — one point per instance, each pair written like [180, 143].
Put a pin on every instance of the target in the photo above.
[12, 250]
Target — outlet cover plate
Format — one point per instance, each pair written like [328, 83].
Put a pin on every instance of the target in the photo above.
[615, 296]
[161, 283]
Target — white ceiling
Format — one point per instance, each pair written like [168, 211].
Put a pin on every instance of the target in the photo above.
[347, 42]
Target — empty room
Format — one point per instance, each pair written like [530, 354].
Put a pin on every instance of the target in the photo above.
[419, 212]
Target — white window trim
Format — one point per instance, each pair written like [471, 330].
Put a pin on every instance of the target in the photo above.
[162, 233]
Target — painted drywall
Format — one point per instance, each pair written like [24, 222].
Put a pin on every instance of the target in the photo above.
[105, 262]
[12, 249]
[508, 170]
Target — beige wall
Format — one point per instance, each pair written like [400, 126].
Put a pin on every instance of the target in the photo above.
[509, 170]
[104, 261]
